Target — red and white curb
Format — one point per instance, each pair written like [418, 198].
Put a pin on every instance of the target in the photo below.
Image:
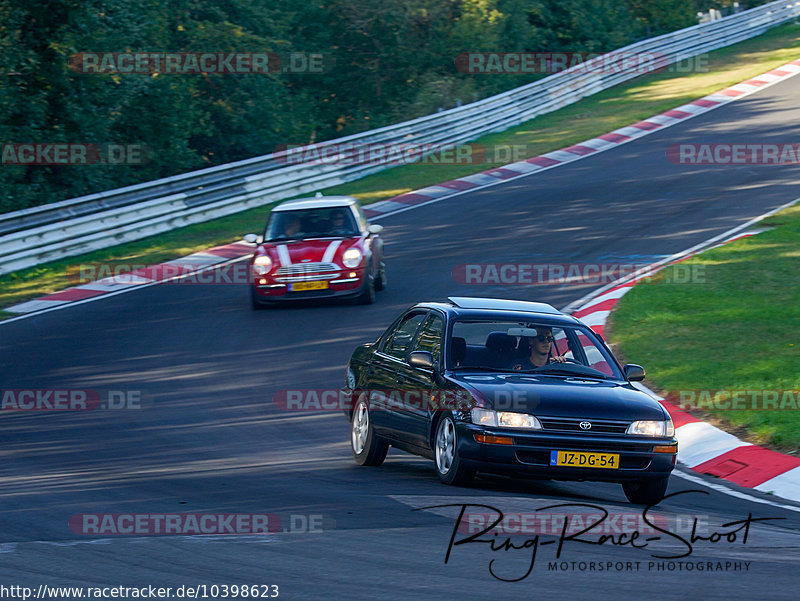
[404, 202]
[579, 151]
[702, 447]
[150, 275]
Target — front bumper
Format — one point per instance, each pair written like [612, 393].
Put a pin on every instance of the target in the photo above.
[339, 285]
[529, 456]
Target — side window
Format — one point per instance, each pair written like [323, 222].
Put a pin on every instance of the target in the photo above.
[398, 343]
[430, 337]
[594, 358]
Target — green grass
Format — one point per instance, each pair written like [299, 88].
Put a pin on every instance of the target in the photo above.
[588, 118]
[736, 330]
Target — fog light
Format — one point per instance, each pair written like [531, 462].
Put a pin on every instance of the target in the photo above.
[494, 439]
[262, 281]
[352, 274]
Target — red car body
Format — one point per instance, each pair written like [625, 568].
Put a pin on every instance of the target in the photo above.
[320, 259]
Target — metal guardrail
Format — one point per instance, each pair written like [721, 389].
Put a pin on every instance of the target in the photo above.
[71, 227]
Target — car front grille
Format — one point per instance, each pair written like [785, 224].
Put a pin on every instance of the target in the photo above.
[306, 268]
[569, 424]
[303, 272]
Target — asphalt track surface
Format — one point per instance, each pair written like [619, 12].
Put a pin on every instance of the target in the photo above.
[209, 438]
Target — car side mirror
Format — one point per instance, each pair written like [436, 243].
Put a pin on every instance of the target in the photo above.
[633, 372]
[374, 228]
[421, 359]
[251, 238]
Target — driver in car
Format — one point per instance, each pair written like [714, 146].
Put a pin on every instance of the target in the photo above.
[338, 225]
[540, 351]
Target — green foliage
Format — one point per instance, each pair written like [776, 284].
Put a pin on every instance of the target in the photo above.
[392, 60]
[744, 300]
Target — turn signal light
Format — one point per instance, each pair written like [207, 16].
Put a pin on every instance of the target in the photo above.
[665, 448]
[494, 439]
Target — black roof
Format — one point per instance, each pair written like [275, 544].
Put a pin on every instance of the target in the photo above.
[496, 308]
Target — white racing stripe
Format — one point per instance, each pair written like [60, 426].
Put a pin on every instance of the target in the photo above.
[283, 255]
[330, 252]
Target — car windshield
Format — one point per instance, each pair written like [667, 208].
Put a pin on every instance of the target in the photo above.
[311, 223]
[528, 347]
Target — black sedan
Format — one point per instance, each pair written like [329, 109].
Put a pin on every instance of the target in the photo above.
[503, 386]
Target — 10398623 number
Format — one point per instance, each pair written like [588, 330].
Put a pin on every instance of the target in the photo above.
[237, 591]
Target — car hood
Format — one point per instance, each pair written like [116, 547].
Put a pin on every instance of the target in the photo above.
[316, 250]
[553, 396]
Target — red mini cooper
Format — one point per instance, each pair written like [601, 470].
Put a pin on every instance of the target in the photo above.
[317, 248]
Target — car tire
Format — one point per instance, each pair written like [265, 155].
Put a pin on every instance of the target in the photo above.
[449, 467]
[380, 283]
[367, 296]
[257, 304]
[367, 447]
[646, 492]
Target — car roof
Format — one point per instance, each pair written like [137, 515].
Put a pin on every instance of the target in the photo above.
[502, 304]
[320, 202]
[498, 308]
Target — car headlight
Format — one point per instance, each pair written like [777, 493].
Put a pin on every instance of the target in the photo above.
[648, 427]
[262, 264]
[351, 257]
[504, 419]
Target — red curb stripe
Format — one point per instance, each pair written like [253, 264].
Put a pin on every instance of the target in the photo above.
[230, 251]
[749, 465]
[72, 294]
[646, 125]
[368, 213]
[704, 102]
[679, 416]
[676, 114]
[730, 92]
[755, 82]
[580, 150]
[605, 305]
[779, 73]
[599, 329]
[543, 161]
[614, 137]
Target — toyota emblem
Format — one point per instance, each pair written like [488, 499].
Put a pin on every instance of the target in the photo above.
[586, 425]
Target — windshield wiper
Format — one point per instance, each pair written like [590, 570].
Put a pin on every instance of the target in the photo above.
[484, 367]
[572, 370]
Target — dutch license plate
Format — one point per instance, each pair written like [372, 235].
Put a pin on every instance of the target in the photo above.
[300, 286]
[577, 459]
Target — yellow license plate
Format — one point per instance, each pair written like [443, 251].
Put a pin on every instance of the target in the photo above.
[577, 459]
[299, 286]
